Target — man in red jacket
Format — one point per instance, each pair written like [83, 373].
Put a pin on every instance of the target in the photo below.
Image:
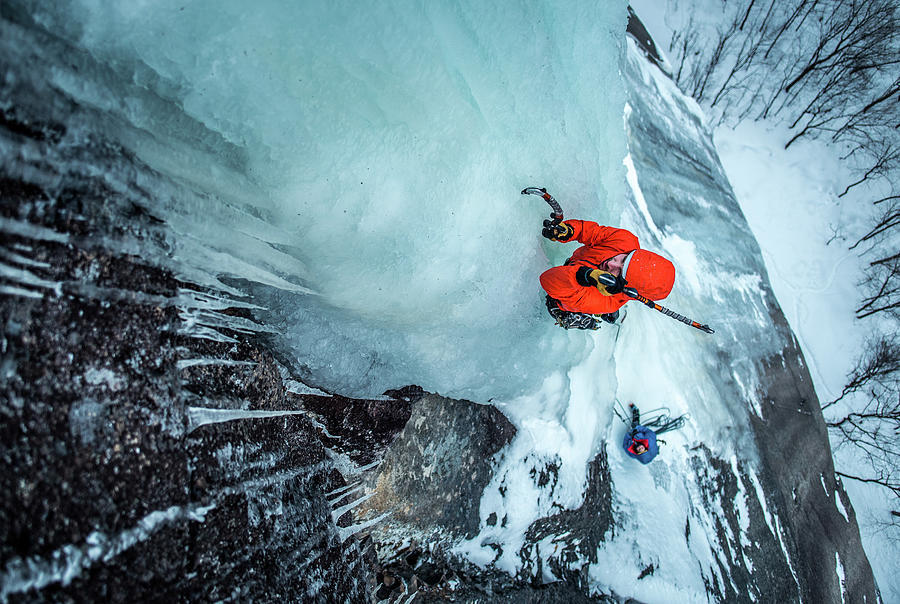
[574, 293]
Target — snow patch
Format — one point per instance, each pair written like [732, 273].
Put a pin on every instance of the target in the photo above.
[839, 571]
[104, 376]
[839, 504]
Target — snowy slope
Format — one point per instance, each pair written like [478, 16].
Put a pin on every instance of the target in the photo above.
[790, 198]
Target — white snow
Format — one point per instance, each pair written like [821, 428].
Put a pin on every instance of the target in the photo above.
[790, 200]
[631, 176]
[793, 211]
[772, 521]
[839, 570]
[105, 376]
[743, 515]
[840, 506]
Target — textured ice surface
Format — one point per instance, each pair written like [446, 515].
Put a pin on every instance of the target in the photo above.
[373, 156]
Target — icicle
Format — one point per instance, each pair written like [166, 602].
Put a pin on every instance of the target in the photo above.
[185, 363]
[342, 489]
[319, 425]
[32, 231]
[201, 416]
[348, 531]
[24, 277]
[205, 333]
[338, 512]
[18, 291]
[336, 499]
[194, 299]
[361, 469]
[19, 259]
[298, 387]
[206, 318]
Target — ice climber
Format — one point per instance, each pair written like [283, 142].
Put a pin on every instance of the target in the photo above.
[640, 441]
[574, 293]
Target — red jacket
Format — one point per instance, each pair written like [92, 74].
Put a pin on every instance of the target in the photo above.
[651, 274]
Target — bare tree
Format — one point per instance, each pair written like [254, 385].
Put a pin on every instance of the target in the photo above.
[880, 363]
[874, 428]
[827, 67]
[888, 220]
[887, 480]
[854, 37]
[883, 281]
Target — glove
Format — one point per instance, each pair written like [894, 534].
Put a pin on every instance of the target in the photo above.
[607, 283]
[557, 231]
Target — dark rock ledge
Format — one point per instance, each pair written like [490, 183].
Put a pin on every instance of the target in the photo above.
[117, 484]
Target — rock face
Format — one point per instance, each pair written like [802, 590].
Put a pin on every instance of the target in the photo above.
[807, 493]
[431, 482]
[123, 478]
[443, 456]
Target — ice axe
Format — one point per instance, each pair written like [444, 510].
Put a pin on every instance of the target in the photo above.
[610, 280]
[556, 216]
